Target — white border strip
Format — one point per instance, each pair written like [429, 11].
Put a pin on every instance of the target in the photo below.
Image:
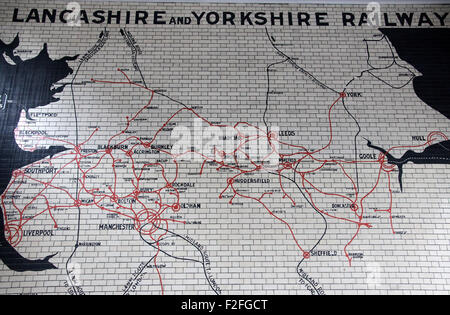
[424, 2]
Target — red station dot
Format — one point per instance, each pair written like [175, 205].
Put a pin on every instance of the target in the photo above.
[273, 135]
[17, 173]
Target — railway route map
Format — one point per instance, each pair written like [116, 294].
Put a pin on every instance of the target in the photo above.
[217, 149]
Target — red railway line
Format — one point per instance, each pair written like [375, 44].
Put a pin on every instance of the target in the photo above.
[149, 219]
